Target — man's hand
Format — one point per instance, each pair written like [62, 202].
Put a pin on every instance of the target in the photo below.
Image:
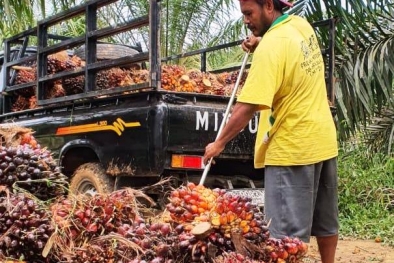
[250, 43]
[212, 150]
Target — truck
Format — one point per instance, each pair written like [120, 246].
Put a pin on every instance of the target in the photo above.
[132, 135]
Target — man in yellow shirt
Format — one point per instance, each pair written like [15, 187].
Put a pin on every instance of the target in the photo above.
[296, 140]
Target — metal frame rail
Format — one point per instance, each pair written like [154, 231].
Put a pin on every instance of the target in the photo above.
[90, 39]
[203, 54]
[329, 55]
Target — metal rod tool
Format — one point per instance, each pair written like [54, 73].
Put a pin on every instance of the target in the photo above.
[230, 103]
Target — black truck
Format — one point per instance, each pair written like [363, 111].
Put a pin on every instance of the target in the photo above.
[133, 135]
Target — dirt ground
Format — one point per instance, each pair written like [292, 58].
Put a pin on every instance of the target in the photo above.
[355, 251]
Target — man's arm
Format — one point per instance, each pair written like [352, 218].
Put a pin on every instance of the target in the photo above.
[240, 116]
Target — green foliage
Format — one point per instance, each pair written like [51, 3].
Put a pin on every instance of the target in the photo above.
[366, 194]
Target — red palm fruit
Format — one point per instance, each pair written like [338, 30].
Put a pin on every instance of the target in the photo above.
[88, 212]
[242, 215]
[155, 226]
[245, 229]
[238, 210]
[291, 248]
[282, 254]
[170, 208]
[187, 198]
[203, 204]
[179, 210]
[257, 230]
[253, 223]
[249, 216]
[191, 185]
[302, 248]
[243, 223]
[188, 216]
[220, 208]
[79, 214]
[194, 209]
[233, 206]
[230, 217]
[195, 195]
[26, 138]
[273, 255]
[248, 206]
[146, 243]
[165, 229]
[33, 143]
[240, 257]
[175, 193]
[73, 234]
[187, 207]
[212, 237]
[85, 221]
[223, 219]
[92, 228]
[182, 192]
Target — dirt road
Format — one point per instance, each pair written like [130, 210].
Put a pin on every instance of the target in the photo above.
[355, 251]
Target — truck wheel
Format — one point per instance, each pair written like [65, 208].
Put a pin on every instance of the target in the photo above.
[110, 51]
[91, 178]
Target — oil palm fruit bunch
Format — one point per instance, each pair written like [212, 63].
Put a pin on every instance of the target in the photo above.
[25, 227]
[230, 218]
[33, 169]
[225, 211]
[109, 228]
[285, 250]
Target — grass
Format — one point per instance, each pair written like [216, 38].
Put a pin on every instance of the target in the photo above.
[366, 194]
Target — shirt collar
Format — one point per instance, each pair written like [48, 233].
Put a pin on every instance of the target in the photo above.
[279, 19]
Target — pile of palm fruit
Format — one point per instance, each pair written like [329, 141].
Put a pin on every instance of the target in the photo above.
[41, 222]
[173, 78]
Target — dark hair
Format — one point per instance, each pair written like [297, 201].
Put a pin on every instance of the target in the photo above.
[277, 4]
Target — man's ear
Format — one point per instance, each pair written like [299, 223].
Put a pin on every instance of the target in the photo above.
[269, 4]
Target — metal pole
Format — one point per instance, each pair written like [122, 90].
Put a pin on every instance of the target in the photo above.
[230, 103]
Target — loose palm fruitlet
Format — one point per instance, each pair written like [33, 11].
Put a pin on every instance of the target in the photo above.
[31, 169]
[25, 227]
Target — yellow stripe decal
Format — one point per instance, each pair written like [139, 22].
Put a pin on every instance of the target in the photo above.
[117, 126]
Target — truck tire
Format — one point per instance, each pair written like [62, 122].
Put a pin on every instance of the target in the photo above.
[110, 51]
[90, 178]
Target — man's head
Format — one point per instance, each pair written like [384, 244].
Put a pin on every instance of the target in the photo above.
[260, 14]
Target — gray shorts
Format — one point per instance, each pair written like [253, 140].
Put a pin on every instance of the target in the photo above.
[302, 201]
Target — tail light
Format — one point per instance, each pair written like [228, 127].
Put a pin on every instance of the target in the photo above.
[187, 161]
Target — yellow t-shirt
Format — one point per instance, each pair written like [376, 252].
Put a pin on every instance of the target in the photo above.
[286, 79]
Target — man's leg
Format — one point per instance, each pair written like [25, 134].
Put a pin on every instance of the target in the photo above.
[325, 225]
[327, 247]
[289, 199]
